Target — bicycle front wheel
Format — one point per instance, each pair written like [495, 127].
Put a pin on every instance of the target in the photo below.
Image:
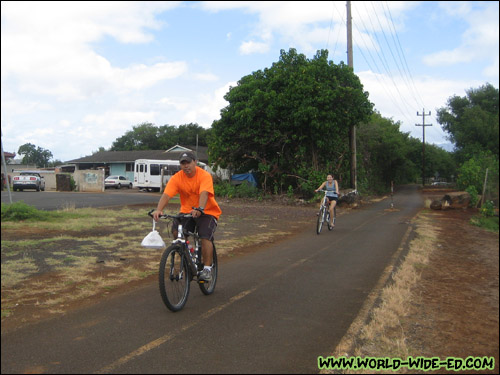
[208, 287]
[321, 218]
[174, 278]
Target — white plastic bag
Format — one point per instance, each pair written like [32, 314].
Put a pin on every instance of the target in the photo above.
[153, 240]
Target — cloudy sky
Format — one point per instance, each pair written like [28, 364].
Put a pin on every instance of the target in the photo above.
[78, 75]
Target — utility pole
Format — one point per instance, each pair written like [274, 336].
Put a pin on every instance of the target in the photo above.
[352, 130]
[423, 141]
[5, 172]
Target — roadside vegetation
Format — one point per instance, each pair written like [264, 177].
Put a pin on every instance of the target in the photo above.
[70, 247]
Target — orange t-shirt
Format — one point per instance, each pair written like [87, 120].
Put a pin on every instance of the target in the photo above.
[190, 189]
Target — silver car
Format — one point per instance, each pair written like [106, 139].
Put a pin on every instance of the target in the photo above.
[117, 182]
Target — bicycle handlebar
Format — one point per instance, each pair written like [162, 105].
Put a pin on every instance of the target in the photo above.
[166, 216]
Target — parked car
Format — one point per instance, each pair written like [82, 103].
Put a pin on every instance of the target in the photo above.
[28, 180]
[117, 182]
[440, 183]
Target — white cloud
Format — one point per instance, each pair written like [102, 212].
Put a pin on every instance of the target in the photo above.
[46, 47]
[479, 42]
[306, 25]
[117, 120]
[177, 104]
[248, 48]
[402, 105]
[139, 77]
[206, 77]
[207, 108]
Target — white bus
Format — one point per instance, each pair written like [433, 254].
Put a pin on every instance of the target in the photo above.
[147, 173]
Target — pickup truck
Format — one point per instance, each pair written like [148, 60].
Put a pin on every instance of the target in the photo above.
[28, 180]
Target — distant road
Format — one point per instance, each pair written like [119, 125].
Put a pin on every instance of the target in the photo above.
[48, 200]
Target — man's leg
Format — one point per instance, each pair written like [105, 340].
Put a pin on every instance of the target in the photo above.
[207, 250]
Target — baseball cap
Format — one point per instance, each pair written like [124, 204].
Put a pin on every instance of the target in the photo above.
[187, 156]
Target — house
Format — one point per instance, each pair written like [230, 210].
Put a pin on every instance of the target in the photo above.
[122, 162]
[14, 164]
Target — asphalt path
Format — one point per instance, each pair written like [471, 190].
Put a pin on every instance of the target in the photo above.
[274, 310]
[55, 200]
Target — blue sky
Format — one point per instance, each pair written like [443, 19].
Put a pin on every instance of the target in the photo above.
[78, 75]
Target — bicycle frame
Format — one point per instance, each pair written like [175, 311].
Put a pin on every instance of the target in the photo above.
[193, 259]
[324, 213]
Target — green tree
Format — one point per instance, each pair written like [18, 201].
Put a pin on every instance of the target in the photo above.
[472, 121]
[383, 154]
[142, 137]
[35, 155]
[188, 134]
[147, 136]
[291, 120]
[386, 154]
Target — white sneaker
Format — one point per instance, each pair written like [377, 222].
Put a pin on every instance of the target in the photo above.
[205, 275]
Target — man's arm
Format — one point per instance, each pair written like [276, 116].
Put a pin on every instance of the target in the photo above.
[202, 203]
[161, 205]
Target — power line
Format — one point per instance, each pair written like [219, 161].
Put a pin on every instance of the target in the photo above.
[405, 64]
[378, 70]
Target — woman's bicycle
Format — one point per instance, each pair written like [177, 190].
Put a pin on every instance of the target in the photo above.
[324, 214]
[180, 264]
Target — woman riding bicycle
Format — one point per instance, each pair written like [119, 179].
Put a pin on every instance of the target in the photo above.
[332, 194]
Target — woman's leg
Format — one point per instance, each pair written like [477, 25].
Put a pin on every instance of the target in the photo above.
[333, 202]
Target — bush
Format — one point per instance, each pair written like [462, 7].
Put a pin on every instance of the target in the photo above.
[488, 223]
[488, 209]
[244, 190]
[474, 197]
[20, 211]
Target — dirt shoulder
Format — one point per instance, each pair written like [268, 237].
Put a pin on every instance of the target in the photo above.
[455, 315]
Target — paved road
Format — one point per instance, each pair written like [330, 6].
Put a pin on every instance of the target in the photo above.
[52, 200]
[274, 311]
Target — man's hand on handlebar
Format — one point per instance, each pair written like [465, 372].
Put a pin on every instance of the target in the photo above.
[156, 215]
[197, 212]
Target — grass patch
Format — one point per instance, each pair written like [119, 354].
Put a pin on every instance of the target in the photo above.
[15, 271]
[489, 223]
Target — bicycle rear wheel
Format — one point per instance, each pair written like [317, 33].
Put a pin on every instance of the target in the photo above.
[208, 287]
[321, 218]
[174, 278]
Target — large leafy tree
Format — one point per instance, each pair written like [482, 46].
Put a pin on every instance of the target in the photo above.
[472, 121]
[472, 124]
[147, 136]
[290, 121]
[35, 155]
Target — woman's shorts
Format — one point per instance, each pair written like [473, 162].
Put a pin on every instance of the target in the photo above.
[333, 198]
[207, 224]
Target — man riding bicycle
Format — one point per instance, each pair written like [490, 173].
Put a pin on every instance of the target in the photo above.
[332, 194]
[196, 189]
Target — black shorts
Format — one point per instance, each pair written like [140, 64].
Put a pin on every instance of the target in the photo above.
[207, 224]
[332, 198]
